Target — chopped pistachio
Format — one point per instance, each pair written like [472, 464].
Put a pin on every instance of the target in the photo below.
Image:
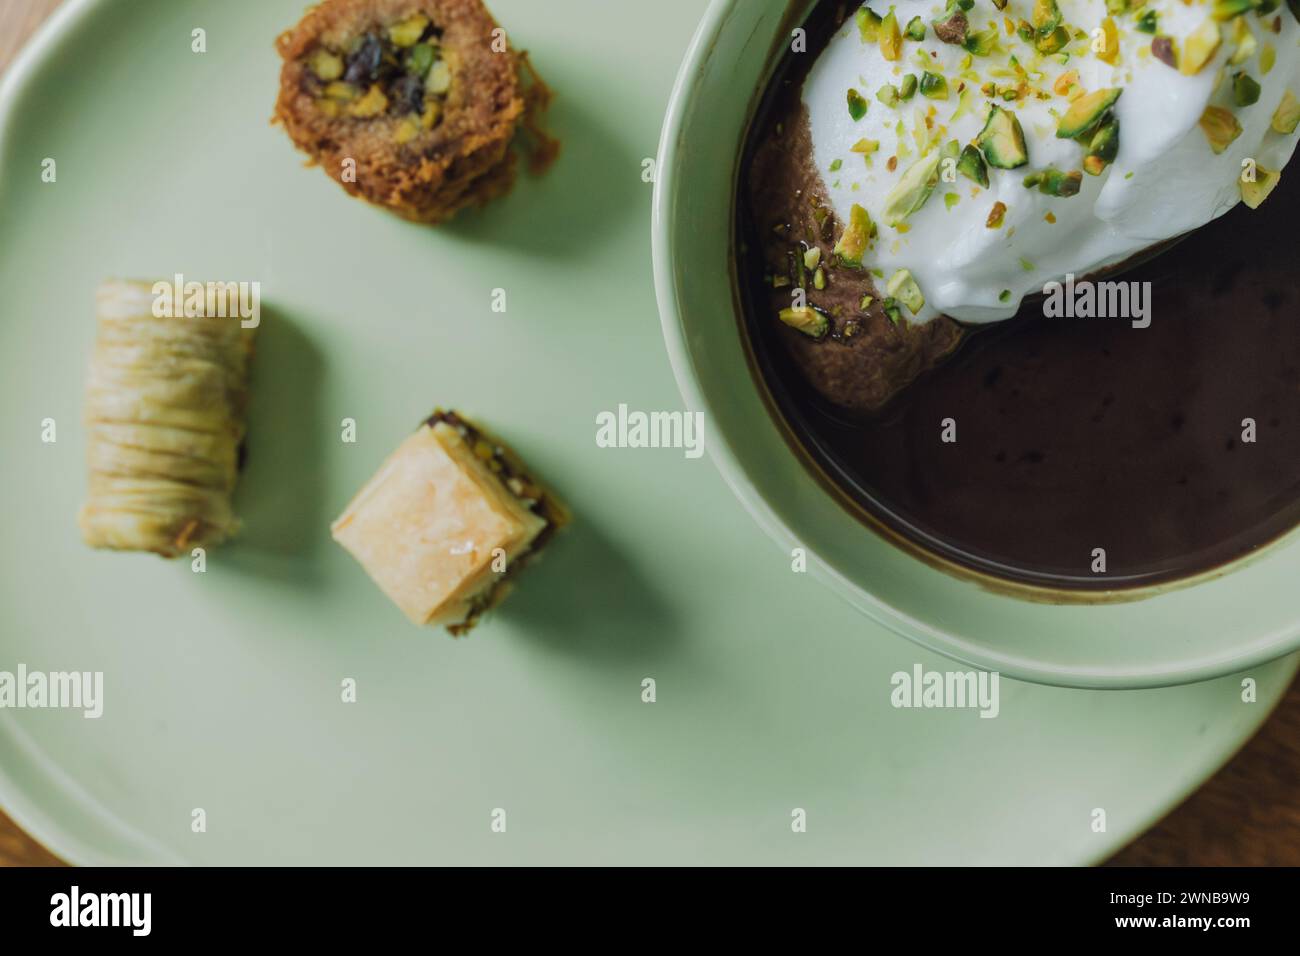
[1287, 115]
[1103, 147]
[819, 279]
[852, 244]
[888, 94]
[1004, 295]
[432, 113]
[439, 81]
[865, 303]
[420, 59]
[951, 199]
[1267, 58]
[372, 104]
[915, 29]
[996, 214]
[343, 92]
[912, 189]
[868, 24]
[812, 257]
[807, 320]
[865, 146]
[1109, 52]
[407, 130]
[1086, 112]
[1162, 48]
[889, 38]
[1199, 48]
[857, 105]
[983, 43]
[1054, 182]
[971, 165]
[326, 65]
[890, 305]
[1220, 127]
[953, 28]
[903, 287]
[836, 164]
[1146, 22]
[1054, 42]
[1243, 41]
[1002, 140]
[907, 88]
[1254, 192]
[1046, 16]
[1245, 89]
[1225, 10]
[408, 32]
[933, 86]
[1066, 82]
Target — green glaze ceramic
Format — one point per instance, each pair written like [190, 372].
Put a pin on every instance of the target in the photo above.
[1193, 631]
[222, 689]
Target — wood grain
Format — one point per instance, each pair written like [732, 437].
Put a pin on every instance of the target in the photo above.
[1247, 815]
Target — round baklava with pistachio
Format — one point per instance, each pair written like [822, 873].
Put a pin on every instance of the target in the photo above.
[414, 105]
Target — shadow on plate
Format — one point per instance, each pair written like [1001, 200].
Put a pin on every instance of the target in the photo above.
[573, 206]
[280, 496]
[583, 598]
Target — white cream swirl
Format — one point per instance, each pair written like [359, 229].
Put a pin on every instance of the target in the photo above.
[1165, 180]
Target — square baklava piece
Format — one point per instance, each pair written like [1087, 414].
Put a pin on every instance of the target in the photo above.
[447, 522]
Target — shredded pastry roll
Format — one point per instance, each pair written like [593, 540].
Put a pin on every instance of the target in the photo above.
[165, 404]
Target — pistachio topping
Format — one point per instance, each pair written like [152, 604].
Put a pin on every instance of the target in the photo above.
[1163, 49]
[852, 244]
[808, 320]
[912, 189]
[890, 38]
[1053, 182]
[1103, 147]
[857, 105]
[1220, 126]
[1002, 140]
[1109, 52]
[1245, 90]
[902, 287]
[1199, 48]
[953, 28]
[971, 165]
[1243, 42]
[934, 86]
[1086, 113]
[1287, 115]
[868, 24]
[1255, 190]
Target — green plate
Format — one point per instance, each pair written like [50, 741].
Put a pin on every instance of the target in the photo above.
[222, 689]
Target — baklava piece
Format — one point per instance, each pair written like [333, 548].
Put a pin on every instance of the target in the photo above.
[447, 522]
[165, 403]
[413, 105]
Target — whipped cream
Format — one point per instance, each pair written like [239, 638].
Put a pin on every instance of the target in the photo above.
[1165, 179]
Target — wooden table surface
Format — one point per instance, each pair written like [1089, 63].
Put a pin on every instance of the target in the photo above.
[1248, 814]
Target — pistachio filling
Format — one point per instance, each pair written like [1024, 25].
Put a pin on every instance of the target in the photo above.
[399, 72]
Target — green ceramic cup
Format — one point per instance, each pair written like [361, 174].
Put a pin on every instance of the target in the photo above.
[1191, 630]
